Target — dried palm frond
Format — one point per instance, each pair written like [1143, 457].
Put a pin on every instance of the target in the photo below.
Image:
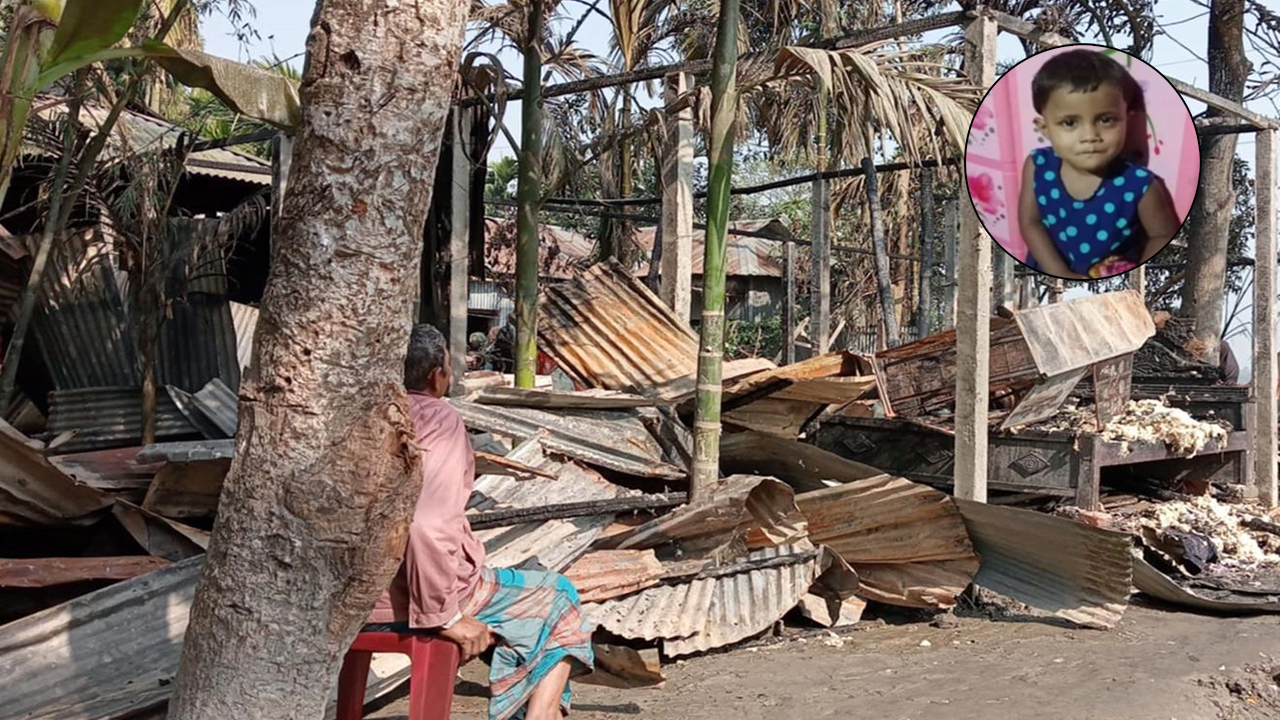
[899, 91]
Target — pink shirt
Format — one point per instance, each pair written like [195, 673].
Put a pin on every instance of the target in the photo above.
[443, 558]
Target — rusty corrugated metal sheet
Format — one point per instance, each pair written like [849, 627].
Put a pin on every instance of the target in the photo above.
[1075, 571]
[106, 654]
[906, 541]
[198, 340]
[617, 440]
[562, 253]
[111, 417]
[35, 492]
[47, 572]
[745, 256]
[801, 465]
[713, 612]
[606, 574]
[739, 503]
[1070, 335]
[608, 330]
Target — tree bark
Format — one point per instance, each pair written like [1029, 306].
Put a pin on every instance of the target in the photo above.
[313, 516]
[1209, 224]
[884, 279]
[724, 101]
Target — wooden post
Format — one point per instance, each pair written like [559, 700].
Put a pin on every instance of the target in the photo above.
[675, 285]
[1056, 290]
[789, 304]
[459, 244]
[925, 296]
[1264, 320]
[1138, 281]
[529, 201]
[820, 268]
[973, 308]
[950, 238]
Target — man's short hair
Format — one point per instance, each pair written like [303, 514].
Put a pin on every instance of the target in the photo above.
[1083, 71]
[426, 353]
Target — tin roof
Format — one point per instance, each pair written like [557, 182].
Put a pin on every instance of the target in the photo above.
[137, 133]
[745, 256]
[562, 253]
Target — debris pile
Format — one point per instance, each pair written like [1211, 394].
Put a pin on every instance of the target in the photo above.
[1234, 544]
[1149, 421]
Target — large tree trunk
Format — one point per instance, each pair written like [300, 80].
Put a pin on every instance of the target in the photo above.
[313, 516]
[1209, 224]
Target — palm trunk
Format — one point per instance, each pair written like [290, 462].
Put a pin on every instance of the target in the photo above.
[621, 245]
[528, 198]
[724, 100]
[314, 513]
[1209, 224]
[924, 300]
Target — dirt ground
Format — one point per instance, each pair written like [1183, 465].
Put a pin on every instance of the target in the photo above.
[1155, 665]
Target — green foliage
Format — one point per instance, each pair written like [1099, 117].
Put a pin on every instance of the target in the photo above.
[744, 339]
[497, 183]
[90, 26]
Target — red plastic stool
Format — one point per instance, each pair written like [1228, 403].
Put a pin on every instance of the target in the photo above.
[434, 668]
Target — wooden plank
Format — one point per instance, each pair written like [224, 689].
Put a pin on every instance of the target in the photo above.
[789, 304]
[459, 244]
[676, 283]
[973, 302]
[47, 572]
[187, 490]
[1043, 400]
[1264, 319]
[1112, 386]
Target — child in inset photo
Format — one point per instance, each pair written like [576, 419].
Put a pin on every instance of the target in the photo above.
[1084, 210]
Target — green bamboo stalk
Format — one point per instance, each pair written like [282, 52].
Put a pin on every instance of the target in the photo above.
[528, 199]
[724, 101]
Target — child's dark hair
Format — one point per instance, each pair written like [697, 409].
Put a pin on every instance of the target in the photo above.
[1083, 71]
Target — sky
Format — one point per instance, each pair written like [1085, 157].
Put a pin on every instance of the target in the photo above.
[283, 26]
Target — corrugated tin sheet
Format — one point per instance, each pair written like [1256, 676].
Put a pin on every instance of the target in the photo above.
[111, 417]
[552, 545]
[100, 655]
[1075, 571]
[245, 320]
[712, 612]
[198, 340]
[593, 399]
[137, 133]
[485, 295]
[617, 440]
[562, 253]
[219, 404]
[189, 451]
[1149, 580]
[801, 465]
[35, 492]
[1074, 334]
[606, 574]
[80, 323]
[186, 404]
[906, 541]
[745, 256]
[608, 330]
[738, 504]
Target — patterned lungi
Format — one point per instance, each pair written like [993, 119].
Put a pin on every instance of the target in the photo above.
[537, 620]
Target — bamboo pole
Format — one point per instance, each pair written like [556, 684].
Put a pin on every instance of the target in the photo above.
[724, 100]
[528, 197]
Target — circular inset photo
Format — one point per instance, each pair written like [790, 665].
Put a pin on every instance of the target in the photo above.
[1082, 162]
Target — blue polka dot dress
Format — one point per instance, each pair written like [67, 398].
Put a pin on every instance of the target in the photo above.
[1087, 231]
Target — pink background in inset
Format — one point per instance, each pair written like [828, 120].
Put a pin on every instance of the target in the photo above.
[1002, 136]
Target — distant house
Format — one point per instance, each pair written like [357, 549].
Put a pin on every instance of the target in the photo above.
[754, 267]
